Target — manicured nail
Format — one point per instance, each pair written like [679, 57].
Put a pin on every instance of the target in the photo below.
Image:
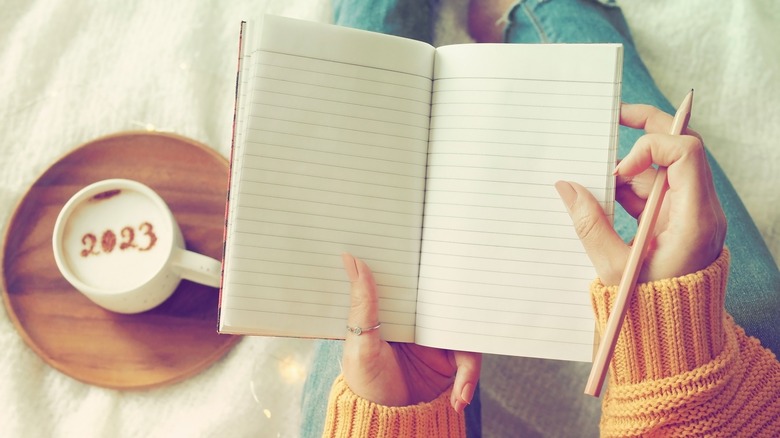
[617, 169]
[567, 193]
[467, 393]
[350, 265]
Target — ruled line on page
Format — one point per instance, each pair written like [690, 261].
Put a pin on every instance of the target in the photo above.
[423, 323]
[341, 66]
[479, 277]
[345, 84]
[328, 167]
[323, 140]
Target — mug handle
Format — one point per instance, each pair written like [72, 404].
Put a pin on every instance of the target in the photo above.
[197, 267]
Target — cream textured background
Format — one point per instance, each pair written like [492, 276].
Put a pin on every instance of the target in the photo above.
[71, 71]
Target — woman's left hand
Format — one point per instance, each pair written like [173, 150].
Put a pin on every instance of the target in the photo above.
[398, 374]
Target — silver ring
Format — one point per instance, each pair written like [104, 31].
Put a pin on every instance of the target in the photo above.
[359, 330]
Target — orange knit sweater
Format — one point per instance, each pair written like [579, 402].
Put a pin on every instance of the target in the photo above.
[682, 367]
[350, 416]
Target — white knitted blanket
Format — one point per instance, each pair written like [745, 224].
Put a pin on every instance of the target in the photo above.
[72, 71]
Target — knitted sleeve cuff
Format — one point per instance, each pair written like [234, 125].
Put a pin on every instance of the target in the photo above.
[671, 326]
[352, 416]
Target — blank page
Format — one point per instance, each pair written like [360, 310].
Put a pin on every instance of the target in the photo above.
[333, 160]
[502, 270]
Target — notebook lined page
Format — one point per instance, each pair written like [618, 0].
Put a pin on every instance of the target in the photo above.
[333, 160]
[502, 270]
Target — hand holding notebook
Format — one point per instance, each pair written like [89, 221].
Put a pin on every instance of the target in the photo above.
[398, 374]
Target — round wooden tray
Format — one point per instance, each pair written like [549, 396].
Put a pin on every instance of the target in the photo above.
[167, 344]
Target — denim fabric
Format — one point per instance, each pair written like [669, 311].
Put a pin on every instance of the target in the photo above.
[405, 18]
[753, 297]
[325, 367]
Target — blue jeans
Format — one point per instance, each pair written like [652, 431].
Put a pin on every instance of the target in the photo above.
[753, 296]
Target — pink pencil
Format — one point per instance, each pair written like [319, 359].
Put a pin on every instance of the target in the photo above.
[634, 263]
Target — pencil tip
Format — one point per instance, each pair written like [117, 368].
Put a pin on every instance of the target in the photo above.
[688, 101]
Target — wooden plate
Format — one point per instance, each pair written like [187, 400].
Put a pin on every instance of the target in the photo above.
[167, 344]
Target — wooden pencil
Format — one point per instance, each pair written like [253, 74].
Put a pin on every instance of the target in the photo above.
[634, 263]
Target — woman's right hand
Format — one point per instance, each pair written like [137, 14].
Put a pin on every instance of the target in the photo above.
[691, 227]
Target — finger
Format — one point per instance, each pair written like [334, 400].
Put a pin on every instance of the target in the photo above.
[662, 150]
[369, 364]
[649, 118]
[604, 247]
[632, 192]
[363, 309]
[633, 204]
[468, 365]
[689, 176]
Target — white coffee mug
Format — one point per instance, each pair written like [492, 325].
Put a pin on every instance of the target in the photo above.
[117, 242]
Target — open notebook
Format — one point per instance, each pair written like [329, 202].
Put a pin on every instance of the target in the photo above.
[435, 166]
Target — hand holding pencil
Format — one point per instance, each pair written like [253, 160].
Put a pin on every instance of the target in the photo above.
[690, 227]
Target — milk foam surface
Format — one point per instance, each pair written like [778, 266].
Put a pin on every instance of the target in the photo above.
[116, 241]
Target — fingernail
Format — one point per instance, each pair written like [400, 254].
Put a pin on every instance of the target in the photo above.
[460, 406]
[467, 393]
[350, 265]
[617, 169]
[567, 193]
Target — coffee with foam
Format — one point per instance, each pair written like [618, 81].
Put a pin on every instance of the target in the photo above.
[116, 240]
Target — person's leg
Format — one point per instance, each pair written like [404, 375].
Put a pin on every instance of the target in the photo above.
[404, 18]
[325, 367]
[753, 296]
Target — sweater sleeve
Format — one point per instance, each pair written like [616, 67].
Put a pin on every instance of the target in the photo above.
[352, 416]
[682, 367]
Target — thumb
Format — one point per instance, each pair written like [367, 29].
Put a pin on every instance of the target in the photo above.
[468, 366]
[604, 247]
[363, 365]
[364, 303]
